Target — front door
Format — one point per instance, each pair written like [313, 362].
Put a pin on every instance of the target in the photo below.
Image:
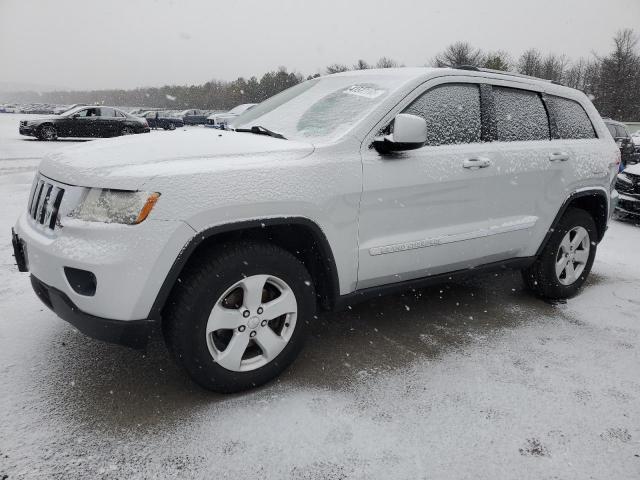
[424, 211]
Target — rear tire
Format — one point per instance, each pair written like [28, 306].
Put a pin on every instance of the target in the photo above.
[172, 126]
[566, 260]
[212, 313]
[127, 131]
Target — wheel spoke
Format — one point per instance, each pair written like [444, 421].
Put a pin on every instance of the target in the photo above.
[231, 357]
[285, 303]
[581, 233]
[570, 272]
[270, 342]
[252, 288]
[565, 245]
[561, 265]
[223, 318]
[581, 256]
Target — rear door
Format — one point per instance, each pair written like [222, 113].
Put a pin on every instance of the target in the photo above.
[527, 184]
[424, 211]
[108, 124]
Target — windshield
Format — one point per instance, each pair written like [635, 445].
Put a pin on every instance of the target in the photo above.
[321, 109]
[73, 110]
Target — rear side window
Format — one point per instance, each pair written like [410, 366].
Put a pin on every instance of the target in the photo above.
[572, 122]
[612, 130]
[452, 113]
[107, 112]
[520, 115]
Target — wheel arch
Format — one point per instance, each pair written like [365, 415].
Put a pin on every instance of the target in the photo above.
[298, 235]
[594, 201]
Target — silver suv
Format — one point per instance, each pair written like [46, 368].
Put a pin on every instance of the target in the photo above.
[338, 189]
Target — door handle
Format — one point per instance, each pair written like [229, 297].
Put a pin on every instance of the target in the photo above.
[477, 162]
[558, 156]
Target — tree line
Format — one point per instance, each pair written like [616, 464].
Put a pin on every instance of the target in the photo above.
[612, 81]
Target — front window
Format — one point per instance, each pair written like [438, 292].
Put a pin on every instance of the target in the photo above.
[321, 109]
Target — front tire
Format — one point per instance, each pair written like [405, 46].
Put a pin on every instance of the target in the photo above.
[48, 133]
[566, 260]
[239, 316]
[172, 126]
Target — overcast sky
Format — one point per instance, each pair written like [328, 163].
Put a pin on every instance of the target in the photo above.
[122, 44]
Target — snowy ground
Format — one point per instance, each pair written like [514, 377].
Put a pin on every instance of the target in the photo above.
[466, 380]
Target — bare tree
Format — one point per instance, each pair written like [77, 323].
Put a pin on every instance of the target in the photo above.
[498, 60]
[616, 93]
[336, 68]
[361, 65]
[386, 62]
[458, 54]
[530, 63]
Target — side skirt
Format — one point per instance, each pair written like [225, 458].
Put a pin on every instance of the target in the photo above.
[353, 298]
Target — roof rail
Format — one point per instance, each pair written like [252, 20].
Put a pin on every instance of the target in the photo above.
[502, 72]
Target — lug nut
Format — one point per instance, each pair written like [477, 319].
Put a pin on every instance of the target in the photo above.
[263, 323]
[246, 313]
[252, 334]
[242, 328]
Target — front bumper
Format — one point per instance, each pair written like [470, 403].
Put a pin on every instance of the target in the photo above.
[130, 333]
[129, 263]
[27, 130]
[629, 204]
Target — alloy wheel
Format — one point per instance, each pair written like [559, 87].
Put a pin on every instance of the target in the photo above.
[251, 323]
[572, 255]
[48, 132]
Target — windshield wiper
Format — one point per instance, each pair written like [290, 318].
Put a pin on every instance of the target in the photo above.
[259, 130]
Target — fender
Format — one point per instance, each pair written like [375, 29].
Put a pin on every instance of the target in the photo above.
[580, 193]
[185, 254]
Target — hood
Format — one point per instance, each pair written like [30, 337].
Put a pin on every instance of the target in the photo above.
[128, 162]
[41, 118]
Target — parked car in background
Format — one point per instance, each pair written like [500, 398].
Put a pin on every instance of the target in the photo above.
[162, 120]
[193, 117]
[338, 189]
[8, 108]
[620, 133]
[628, 186]
[221, 120]
[85, 121]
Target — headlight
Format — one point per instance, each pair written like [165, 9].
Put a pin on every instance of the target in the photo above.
[115, 206]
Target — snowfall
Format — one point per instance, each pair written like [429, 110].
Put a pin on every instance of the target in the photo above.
[475, 379]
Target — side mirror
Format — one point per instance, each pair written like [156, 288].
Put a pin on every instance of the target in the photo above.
[409, 133]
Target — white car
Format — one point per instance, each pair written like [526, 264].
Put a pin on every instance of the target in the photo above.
[338, 189]
[221, 120]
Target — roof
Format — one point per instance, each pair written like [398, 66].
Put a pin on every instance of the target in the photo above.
[418, 72]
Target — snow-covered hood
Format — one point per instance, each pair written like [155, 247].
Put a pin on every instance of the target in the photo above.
[41, 118]
[222, 117]
[128, 162]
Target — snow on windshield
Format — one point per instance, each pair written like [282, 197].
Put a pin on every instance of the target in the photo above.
[321, 110]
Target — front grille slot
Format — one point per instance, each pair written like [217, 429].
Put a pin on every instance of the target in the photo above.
[44, 203]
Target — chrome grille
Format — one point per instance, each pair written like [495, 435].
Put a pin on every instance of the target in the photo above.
[44, 202]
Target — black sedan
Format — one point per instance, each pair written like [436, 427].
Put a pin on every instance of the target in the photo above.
[85, 121]
[162, 120]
